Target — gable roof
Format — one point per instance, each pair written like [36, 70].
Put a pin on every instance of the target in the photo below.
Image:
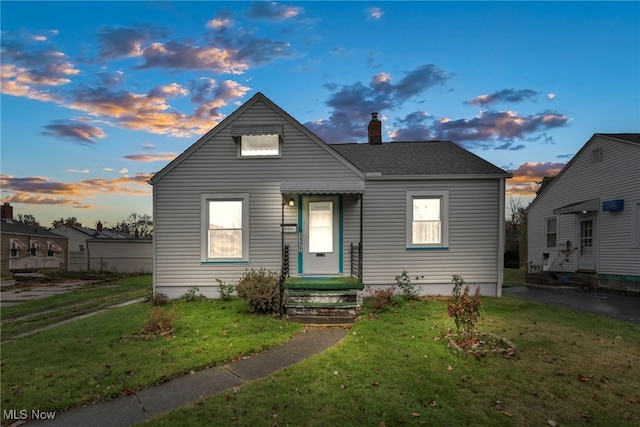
[628, 137]
[258, 97]
[633, 138]
[16, 227]
[426, 158]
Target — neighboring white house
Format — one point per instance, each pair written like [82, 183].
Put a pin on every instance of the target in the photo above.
[128, 255]
[260, 179]
[588, 218]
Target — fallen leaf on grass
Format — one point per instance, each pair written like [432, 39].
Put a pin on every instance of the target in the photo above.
[583, 378]
[507, 413]
[449, 368]
[375, 384]
[415, 414]
[551, 423]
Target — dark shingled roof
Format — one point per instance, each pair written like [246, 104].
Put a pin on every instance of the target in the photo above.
[629, 137]
[417, 158]
[16, 227]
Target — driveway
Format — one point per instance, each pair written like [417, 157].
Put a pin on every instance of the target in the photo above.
[621, 307]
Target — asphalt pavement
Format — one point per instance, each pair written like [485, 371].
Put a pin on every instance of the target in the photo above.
[621, 307]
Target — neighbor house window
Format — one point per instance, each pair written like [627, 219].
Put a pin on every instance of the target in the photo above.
[427, 220]
[259, 145]
[35, 247]
[552, 232]
[14, 247]
[226, 228]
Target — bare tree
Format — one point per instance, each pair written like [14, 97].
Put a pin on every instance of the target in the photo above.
[516, 233]
[68, 221]
[138, 225]
[28, 219]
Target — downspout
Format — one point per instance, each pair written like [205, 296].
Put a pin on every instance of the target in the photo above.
[360, 278]
[501, 238]
[282, 278]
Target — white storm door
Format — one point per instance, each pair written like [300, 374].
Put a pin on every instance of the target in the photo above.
[587, 244]
[320, 235]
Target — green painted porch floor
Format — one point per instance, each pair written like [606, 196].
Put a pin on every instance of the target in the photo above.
[324, 283]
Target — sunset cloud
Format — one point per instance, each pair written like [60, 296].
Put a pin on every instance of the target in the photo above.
[351, 104]
[41, 190]
[77, 170]
[151, 157]
[74, 131]
[528, 176]
[489, 129]
[272, 11]
[374, 13]
[504, 95]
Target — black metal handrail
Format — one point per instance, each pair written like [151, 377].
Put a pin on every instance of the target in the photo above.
[356, 260]
[284, 273]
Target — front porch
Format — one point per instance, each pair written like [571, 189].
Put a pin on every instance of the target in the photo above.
[322, 300]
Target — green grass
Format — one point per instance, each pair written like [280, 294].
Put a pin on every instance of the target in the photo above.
[571, 368]
[32, 315]
[103, 356]
[513, 277]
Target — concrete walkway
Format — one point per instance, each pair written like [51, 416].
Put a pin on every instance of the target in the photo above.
[138, 407]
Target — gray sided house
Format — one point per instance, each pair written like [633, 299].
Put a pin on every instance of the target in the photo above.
[260, 188]
[106, 250]
[586, 222]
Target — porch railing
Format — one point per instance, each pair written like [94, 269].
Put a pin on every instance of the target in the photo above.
[284, 273]
[356, 260]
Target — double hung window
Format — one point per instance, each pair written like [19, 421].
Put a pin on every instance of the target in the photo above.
[427, 220]
[226, 225]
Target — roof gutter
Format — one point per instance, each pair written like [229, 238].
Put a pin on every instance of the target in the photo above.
[377, 176]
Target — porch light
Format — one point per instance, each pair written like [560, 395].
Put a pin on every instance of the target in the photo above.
[292, 202]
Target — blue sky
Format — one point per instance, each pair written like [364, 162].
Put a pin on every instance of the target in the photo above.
[97, 96]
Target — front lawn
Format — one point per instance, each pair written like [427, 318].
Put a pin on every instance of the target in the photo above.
[395, 368]
[106, 355]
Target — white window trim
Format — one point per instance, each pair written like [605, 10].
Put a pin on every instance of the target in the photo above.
[635, 223]
[443, 195]
[260, 156]
[204, 231]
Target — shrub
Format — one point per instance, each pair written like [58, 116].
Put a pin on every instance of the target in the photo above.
[465, 309]
[159, 322]
[260, 291]
[192, 294]
[404, 282]
[382, 298]
[226, 289]
[158, 298]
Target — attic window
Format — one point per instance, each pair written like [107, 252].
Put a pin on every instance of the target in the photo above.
[597, 155]
[258, 140]
[259, 145]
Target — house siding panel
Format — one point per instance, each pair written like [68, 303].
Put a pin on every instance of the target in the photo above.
[616, 176]
[215, 168]
[473, 236]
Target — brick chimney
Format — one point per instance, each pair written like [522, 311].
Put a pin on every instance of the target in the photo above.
[99, 227]
[375, 130]
[6, 211]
